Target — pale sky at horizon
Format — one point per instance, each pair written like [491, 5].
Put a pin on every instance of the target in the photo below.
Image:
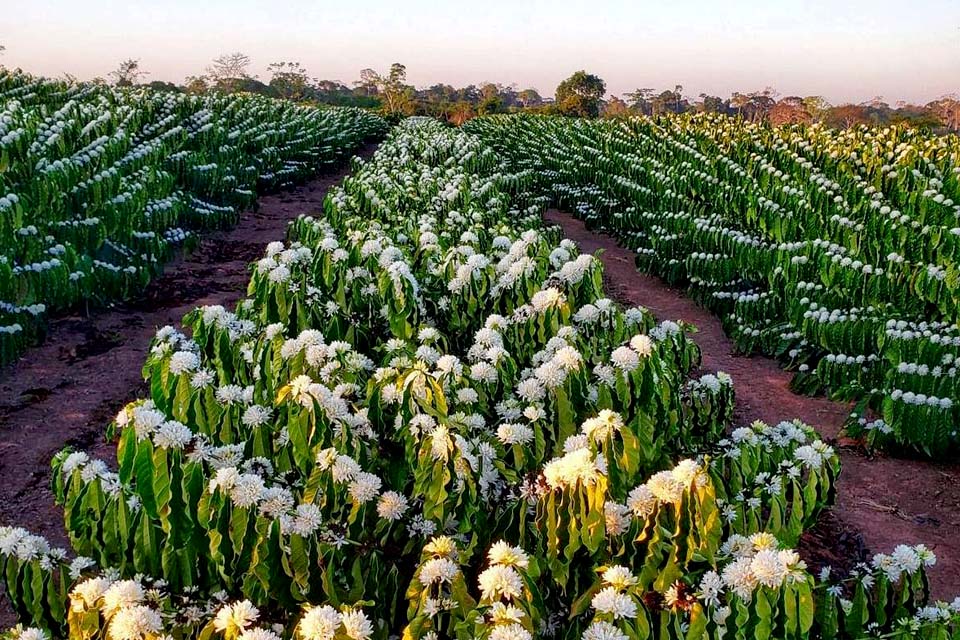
[845, 50]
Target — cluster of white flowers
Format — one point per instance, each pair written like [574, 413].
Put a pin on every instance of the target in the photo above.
[245, 490]
[937, 333]
[92, 470]
[603, 426]
[476, 457]
[790, 443]
[515, 262]
[783, 434]
[168, 340]
[183, 362]
[937, 613]
[233, 394]
[501, 580]
[665, 488]
[323, 359]
[234, 619]
[172, 435]
[362, 486]
[16, 542]
[627, 358]
[548, 298]
[814, 455]
[326, 623]
[401, 276]
[921, 399]
[595, 312]
[237, 328]
[511, 433]
[278, 263]
[665, 330]
[124, 605]
[923, 370]
[579, 466]
[467, 272]
[28, 633]
[332, 402]
[249, 489]
[903, 561]
[711, 383]
[555, 362]
[756, 561]
[501, 587]
[573, 271]
[440, 567]
[487, 350]
[612, 599]
[843, 359]
[392, 505]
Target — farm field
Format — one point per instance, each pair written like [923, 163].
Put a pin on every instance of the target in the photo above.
[101, 186]
[66, 389]
[433, 416]
[833, 251]
[881, 500]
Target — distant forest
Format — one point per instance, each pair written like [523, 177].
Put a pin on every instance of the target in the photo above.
[582, 94]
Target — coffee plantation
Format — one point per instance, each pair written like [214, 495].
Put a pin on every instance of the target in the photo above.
[427, 420]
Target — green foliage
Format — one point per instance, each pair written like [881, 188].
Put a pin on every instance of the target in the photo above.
[581, 95]
[835, 252]
[99, 187]
[427, 410]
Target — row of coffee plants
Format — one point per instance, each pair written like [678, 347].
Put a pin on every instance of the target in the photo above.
[427, 421]
[99, 186]
[834, 251]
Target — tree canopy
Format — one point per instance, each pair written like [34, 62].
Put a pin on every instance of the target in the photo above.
[581, 95]
[228, 71]
[289, 80]
[128, 73]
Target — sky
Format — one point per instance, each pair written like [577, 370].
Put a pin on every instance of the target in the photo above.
[844, 50]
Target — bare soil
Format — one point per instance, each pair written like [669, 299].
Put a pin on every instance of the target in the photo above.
[881, 501]
[65, 391]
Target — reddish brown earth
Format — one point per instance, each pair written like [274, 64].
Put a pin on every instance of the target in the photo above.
[65, 391]
[881, 501]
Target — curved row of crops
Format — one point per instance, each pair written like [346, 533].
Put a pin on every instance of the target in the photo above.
[427, 420]
[835, 251]
[98, 186]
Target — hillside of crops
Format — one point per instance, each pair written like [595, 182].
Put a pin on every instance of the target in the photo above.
[99, 187]
[427, 420]
[834, 251]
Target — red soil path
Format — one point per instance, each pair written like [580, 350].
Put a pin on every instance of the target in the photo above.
[65, 391]
[882, 501]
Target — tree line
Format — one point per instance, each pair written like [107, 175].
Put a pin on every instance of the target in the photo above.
[582, 94]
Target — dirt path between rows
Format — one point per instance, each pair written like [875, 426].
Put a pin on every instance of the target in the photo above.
[881, 501]
[65, 391]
